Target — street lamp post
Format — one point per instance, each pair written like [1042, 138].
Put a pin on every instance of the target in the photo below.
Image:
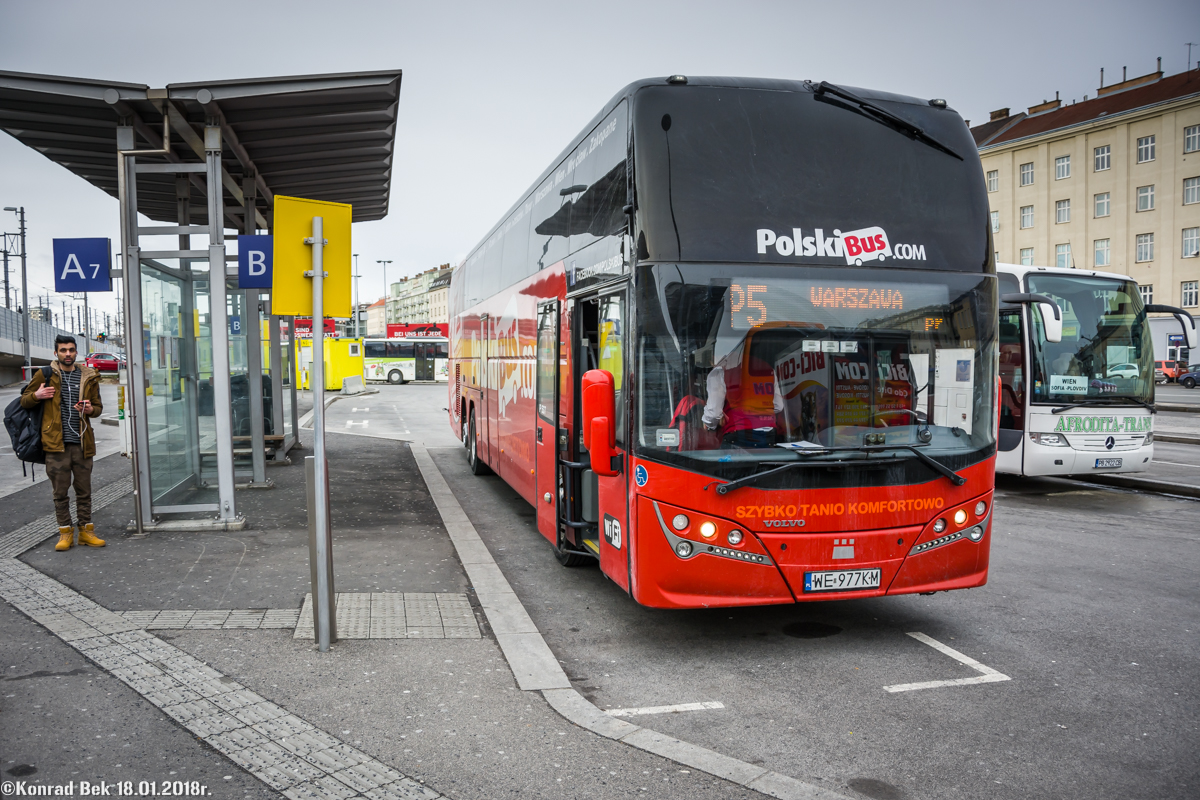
[386, 293]
[20, 212]
[357, 332]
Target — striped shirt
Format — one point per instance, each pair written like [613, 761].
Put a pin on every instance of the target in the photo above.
[72, 425]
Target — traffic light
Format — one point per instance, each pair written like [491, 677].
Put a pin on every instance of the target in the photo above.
[100, 337]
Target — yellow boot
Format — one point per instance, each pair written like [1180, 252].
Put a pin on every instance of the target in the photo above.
[66, 538]
[87, 535]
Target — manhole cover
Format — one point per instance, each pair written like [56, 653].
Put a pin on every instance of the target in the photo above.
[810, 630]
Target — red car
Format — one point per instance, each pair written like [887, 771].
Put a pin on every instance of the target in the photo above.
[104, 362]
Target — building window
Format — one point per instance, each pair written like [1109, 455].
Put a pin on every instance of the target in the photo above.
[1145, 247]
[993, 180]
[1191, 138]
[995, 222]
[1191, 191]
[1026, 174]
[1102, 253]
[1147, 293]
[1062, 211]
[1026, 216]
[1102, 204]
[1103, 158]
[1062, 256]
[1062, 167]
[1189, 293]
[1145, 198]
[1145, 149]
[1191, 242]
[1026, 256]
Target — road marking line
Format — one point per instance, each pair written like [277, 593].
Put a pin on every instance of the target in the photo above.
[365, 423]
[356, 409]
[1176, 464]
[987, 674]
[633, 712]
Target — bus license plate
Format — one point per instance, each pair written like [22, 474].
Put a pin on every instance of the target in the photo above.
[845, 580]
[1107, 462]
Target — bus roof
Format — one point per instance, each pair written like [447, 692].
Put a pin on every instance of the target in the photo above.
[1020, 271]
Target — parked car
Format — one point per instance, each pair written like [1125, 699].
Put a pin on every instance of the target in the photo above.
[1123, 371]
[1190, 378]
[104, 362]
[1165, 371]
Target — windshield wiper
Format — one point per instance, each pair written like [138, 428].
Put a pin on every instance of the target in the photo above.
[883, 115]
[936, 466]
[1116, 401]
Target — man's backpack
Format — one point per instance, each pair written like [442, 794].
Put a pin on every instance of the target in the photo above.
[24, 426]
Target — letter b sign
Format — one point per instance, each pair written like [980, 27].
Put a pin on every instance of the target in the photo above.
[255, 261]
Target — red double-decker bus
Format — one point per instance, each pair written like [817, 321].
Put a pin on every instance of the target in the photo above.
[737, 343]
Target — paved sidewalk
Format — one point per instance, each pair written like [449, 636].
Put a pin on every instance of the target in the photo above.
[443, 713]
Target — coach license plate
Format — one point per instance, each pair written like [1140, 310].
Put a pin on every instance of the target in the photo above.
[1107, 462]
[844, 580]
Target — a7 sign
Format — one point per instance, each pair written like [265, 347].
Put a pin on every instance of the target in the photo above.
[82, 265]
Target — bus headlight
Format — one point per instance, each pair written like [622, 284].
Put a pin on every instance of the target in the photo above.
[1149, 438]
[708, 530]
[976, 533]
[684, 549]
[1050, 439]
[960, 516]
[939, 526]
[680, 522]
[980, 507]
[734, 537]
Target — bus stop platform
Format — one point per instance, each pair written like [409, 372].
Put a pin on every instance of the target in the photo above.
[415, 700]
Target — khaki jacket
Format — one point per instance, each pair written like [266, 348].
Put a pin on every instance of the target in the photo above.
[52, 434]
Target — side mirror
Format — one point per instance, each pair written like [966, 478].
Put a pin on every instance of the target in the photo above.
[1051, 313]
[599, 415]
[1186, 321]
[1051, 321]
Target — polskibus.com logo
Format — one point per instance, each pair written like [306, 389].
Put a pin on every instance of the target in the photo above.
[857, 247]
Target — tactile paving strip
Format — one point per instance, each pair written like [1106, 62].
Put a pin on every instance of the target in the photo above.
[279, 748]
[393, 615]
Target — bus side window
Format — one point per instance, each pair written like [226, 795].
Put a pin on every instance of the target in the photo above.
[374, 349]
[1012, 364]
[611, 335]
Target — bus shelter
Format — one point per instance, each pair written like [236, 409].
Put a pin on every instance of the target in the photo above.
[210, 386]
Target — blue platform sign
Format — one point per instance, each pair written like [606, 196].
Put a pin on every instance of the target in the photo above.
[255, 261]
[81, 265]
[235, 325]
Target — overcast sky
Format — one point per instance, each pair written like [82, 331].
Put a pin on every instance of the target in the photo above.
[493, 91]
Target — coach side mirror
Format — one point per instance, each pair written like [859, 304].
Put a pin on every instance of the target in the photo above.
[599, 415]
[1186, 321]
[1051, 313]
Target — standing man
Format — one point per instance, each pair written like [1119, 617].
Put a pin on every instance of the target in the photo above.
[71, 398]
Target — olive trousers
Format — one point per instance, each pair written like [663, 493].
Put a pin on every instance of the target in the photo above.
[62, 469]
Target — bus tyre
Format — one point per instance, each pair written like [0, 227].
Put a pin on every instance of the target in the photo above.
[473, 461]
[568, 557]
[1189, 383]
[395, 377]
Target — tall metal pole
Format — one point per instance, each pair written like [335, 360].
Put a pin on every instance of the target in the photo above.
[386, 293]
[87, 328]
[7, 303]
[24, 297]
[323, 609]
[357, 333]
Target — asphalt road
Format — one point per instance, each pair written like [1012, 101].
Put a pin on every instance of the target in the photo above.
[1091, 609]
[1174, 393]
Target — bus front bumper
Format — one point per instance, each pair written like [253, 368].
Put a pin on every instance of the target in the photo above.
[1043, 460]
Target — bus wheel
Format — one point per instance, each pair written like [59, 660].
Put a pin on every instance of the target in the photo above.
[568, 557]
[473, 461]
[395, 377]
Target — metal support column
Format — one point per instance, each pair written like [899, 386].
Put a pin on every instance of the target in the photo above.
[276, 365]
[222, 401]
[254, 364]
[135, 346]
[292, 380]
[189, 361]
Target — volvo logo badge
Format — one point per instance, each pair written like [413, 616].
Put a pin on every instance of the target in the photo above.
[1109, 442]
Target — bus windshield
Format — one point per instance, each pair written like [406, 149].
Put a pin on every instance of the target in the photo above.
[740, 365]
[1105, 354]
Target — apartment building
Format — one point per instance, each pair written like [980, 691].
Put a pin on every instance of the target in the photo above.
[1109, 183]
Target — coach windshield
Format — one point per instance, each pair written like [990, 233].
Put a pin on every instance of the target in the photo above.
[743, 365]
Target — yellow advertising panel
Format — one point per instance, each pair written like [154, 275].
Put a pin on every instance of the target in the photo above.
[291, 292]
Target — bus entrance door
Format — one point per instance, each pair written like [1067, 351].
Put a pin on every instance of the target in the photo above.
[613, 490]
[546, 438]
[423, 354]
